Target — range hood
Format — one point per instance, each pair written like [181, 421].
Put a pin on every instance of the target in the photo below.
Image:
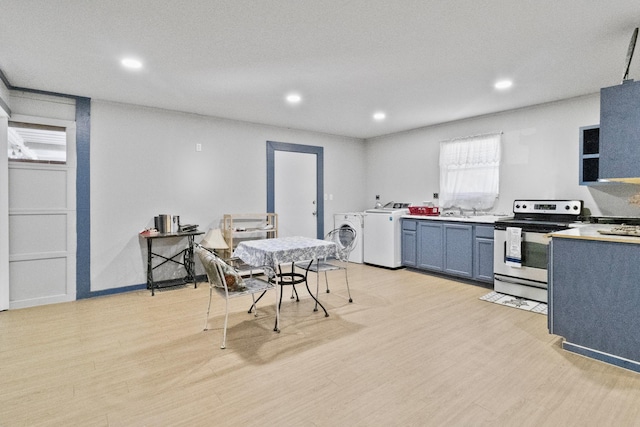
[620, 128]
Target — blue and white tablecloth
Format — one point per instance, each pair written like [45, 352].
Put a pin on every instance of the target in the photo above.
[282, 250]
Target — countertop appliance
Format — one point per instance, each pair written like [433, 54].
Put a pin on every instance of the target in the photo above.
[382, 235]
[521, 245]
[355, 221]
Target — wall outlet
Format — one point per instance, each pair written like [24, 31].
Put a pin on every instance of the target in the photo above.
[435, 195]
[198, 147]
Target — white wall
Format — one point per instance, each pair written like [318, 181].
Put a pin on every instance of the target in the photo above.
[144, 163]
[539, 158]
[45, 106]
[5, 100]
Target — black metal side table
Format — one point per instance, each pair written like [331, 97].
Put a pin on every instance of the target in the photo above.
[187, 255]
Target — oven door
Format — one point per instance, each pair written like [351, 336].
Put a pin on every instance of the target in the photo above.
[535, 257]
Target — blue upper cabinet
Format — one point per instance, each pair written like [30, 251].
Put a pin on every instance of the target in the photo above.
[620, 132]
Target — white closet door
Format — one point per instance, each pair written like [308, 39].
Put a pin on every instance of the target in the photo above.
[4, 214]
[295, 193]
[42, 231]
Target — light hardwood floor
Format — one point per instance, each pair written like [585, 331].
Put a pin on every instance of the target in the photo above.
[412, 350]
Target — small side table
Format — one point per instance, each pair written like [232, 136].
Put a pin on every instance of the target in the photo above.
[187, 255]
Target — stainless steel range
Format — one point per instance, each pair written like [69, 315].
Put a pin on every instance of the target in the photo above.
[521, 245]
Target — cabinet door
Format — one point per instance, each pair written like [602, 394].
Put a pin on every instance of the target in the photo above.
[409, 242]
[620, 131]
[409, 246]
[483, 260]
[458, 254]
[430, 247]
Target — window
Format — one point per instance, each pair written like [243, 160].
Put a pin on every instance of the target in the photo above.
[37, 143]
[469, 172]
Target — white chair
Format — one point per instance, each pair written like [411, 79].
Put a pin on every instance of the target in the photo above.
[345, 240]
[226, 281]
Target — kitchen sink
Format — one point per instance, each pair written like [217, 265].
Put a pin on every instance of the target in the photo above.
[463, 218]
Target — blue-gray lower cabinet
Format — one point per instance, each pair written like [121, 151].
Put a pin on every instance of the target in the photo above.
[455, 248]
[409, 242]
[593, 299]
[483, 260]
[458, 249]
[430, 246]
[483, 253]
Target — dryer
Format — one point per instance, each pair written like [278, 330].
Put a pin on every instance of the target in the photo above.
[355, 221]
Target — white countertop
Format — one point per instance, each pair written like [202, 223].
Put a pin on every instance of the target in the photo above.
[590, 232]
[483, 219]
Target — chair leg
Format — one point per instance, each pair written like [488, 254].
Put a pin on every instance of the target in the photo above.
[253, 297]
[280, 302]
[346, 279]
[226, 320]
[326, 281]
[279, 287]
[206, 321]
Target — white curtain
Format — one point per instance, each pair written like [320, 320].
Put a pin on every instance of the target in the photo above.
[469, 172]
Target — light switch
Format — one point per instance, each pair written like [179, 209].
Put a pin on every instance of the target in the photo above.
[198, 147]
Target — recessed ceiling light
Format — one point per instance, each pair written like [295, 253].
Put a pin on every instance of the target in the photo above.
[293, 98]
[503, 84]
[131, 63]
[379, 116]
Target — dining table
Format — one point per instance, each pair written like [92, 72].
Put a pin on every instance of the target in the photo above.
[280, 251]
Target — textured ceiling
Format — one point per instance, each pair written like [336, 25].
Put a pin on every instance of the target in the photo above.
[422, 62]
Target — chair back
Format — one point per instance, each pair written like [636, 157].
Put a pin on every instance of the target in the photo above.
[219, 273]
[345, 240]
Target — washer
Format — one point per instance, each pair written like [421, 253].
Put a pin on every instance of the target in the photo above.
[382, 243]
[355, 221]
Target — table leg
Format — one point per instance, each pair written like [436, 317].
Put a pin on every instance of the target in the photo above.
[189, 264]
[149, 266]
[278, 299]
[306, 283]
